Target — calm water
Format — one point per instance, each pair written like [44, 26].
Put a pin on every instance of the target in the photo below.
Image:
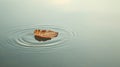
[89, 33]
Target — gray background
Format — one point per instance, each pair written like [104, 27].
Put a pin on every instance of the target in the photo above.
[96, 23]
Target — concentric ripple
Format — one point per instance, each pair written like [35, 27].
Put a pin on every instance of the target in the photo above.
[24, 36]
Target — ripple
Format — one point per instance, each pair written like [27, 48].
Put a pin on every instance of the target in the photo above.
[23, 36]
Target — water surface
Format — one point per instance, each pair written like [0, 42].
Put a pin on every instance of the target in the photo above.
[94, 44]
